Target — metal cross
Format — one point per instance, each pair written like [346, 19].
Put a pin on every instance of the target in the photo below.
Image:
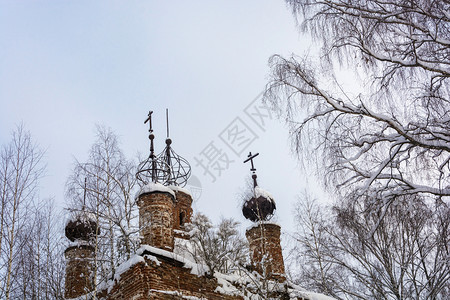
[151, 136]
[250, 158]
[149, 119]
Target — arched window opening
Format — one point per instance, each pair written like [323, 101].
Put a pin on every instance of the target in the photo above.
[182, 218]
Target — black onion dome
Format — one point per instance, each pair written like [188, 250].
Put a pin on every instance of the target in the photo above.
[258, 208]
[81, 229]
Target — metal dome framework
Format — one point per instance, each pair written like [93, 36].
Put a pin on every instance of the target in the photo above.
[168, 167]
[178, 169]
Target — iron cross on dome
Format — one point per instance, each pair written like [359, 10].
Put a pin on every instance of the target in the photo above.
[253, 169]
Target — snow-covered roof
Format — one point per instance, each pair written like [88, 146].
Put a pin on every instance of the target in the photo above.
[229, 284]
[256, 224]
[297, 291]
[154, 187]
[177, 188]
[196, 269]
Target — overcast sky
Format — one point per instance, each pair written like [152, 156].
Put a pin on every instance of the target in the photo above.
[66, 66]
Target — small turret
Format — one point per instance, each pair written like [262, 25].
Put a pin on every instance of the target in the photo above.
[81, 231]
[163, 205]
[263, 237]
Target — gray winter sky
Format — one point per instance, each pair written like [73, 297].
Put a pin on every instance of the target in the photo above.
[66, 66]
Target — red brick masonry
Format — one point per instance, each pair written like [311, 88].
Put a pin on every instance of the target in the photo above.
[156, 219]
[265, 250]
[79, 270]
[164, 278]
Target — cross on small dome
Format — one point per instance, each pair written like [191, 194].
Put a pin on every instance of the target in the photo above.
[261, 206]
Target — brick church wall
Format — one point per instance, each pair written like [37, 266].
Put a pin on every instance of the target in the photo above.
[165, 279]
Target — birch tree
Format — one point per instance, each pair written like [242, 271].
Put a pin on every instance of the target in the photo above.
[103, 186]
[406, 257]
[220, 247]
[392, 138]
[383, 148]
[20, 172]
[39, 263]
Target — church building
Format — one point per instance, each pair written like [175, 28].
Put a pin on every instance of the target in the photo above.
[158, 270]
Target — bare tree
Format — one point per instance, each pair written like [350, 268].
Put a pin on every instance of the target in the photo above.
[20, 171]
[103, 186]
[406, 257]
[39, 263]
[220, 248]
[393, 138]
[385, 152]
[315, 271]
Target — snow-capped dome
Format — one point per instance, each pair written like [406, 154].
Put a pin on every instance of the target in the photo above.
[260, 207]
[81, 227]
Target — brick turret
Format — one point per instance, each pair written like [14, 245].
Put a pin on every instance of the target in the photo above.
[79, 270]
[156, 206]
[80, 256]
[263, 237]
[265, 250]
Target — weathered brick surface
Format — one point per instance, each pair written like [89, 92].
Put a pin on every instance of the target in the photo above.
[79, 270]
[156, 219]
[182, 213]
[265, 250]
[168, 280]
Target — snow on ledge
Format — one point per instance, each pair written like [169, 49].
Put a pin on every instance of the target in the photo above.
[175, 293]
[256, 224]
[297, 291]
[81, 216]
[126, 265]
[176, 188]
[154, 187]
[317, 296]
[79, 243]
[196, 269]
